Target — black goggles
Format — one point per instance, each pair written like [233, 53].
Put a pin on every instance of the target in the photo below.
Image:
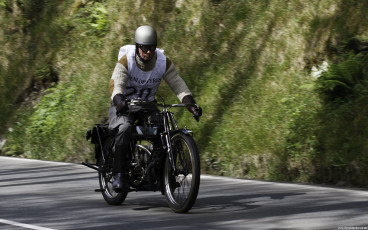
[145, 48]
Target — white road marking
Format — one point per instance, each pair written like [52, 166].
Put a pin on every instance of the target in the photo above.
[13, 223]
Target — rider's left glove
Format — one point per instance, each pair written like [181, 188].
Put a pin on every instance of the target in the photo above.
[196, 110]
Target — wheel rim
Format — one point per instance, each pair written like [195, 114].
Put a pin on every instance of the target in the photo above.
[106, 181]
[106, 178]
[178, 187]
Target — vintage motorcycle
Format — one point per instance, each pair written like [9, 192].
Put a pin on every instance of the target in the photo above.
[163, 158]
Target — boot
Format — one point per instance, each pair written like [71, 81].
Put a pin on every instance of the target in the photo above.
[120, 182]
[119, 185]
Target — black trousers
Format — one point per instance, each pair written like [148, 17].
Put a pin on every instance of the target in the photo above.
[123, 125]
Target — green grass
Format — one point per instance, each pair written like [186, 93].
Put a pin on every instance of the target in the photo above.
[248, 64]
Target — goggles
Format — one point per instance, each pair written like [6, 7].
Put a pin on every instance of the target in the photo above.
[145, 48]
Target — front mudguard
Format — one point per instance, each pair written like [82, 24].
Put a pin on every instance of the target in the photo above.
[184, 131]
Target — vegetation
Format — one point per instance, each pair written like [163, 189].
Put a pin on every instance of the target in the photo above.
[272, 108]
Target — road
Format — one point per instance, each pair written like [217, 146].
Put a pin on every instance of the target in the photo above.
[50, 195]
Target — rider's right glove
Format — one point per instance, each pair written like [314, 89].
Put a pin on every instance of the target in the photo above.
[120, 103]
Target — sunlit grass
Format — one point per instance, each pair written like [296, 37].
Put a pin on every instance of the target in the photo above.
[247, 63]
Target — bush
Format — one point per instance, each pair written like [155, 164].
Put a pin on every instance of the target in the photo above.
[343, 82]
[341, 151]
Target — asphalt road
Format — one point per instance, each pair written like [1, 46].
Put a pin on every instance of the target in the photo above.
[45, 195]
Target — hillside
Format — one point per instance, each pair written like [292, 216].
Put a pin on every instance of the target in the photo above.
[254, 67]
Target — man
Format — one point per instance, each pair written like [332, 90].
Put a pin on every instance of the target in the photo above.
[138, 73]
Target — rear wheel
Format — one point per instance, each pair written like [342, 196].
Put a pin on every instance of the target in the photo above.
[181, 187]
[105, 177]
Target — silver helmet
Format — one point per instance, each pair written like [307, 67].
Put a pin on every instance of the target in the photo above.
[145, 35]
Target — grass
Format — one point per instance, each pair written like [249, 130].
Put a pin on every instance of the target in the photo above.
[248, 64]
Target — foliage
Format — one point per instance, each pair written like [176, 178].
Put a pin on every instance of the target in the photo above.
[93, 16]
[344, 81]
[247, 63]
[341, 151]
[49, 120]
[5, 4]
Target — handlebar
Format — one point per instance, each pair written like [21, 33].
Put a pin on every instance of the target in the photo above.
[138, 102]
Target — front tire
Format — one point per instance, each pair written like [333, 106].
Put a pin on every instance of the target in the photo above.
[181, 187]
[105, 177]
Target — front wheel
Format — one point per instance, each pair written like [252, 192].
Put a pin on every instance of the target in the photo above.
[181, 186]
[111, 197]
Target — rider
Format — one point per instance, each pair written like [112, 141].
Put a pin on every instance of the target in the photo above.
[138, 73]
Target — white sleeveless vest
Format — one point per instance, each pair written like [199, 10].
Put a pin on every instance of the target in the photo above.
[142, 84]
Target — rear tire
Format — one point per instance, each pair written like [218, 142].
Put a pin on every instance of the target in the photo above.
[181, 189]
[105, 177]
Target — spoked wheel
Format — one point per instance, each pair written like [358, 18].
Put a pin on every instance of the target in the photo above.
[106, 179]
[181, 187]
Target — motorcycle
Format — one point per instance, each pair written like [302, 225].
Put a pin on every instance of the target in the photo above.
[163, 157]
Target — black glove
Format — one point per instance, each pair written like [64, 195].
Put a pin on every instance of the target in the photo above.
[120, 103]
[196, 110]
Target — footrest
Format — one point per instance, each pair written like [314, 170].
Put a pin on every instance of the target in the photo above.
[92, 166]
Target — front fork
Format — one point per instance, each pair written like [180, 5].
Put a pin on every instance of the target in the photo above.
[166, 142]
